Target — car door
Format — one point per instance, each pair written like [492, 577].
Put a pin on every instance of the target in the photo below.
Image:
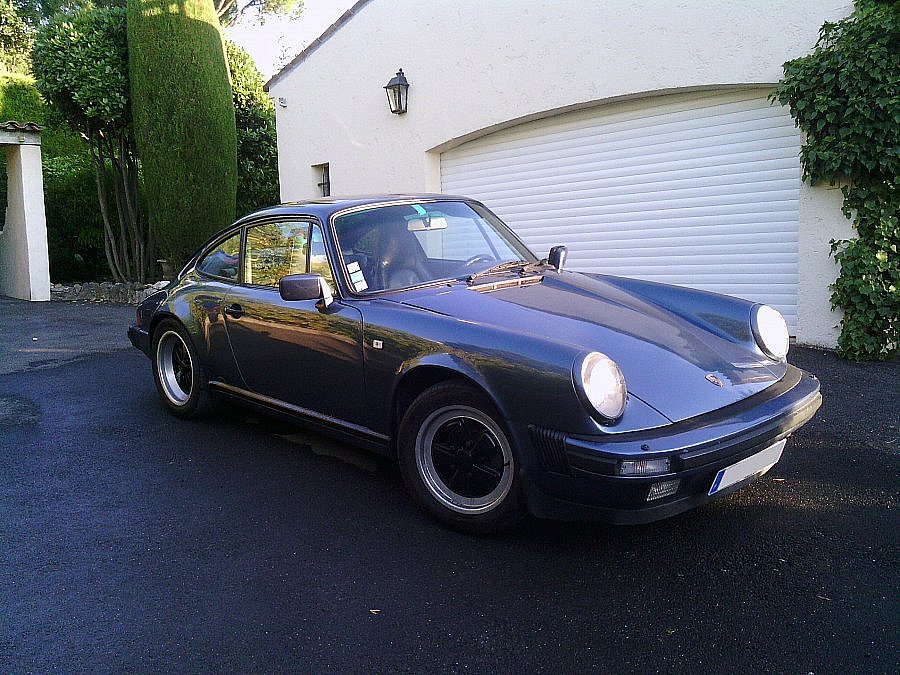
[218, 272]
[294, 351]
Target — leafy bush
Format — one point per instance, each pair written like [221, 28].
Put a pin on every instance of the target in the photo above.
[20, 100]
[844, 96]
[15, 40]
[74, 233]
[868, 288]
[257, 149]
[74, 225]
[80, 62]
[184, 121]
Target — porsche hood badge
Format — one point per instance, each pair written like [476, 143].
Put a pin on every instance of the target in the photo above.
[715, 380]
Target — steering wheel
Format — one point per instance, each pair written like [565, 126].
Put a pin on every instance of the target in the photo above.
[479, 257]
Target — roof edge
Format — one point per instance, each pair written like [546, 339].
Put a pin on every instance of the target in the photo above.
[318, 42]
[13, 125]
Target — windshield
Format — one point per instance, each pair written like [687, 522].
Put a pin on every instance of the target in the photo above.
[402, 245]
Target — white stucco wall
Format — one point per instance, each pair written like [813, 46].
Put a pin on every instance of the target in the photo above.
[821, 221]
[475, 65]
[24, 263]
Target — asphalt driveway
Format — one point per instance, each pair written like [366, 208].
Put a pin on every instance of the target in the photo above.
[131, 541]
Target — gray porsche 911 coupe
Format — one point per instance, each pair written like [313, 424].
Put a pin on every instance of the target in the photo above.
[421, 327]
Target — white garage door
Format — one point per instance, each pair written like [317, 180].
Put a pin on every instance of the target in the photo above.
[693, 189]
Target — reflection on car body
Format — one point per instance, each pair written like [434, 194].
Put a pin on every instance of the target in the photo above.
[421, 327]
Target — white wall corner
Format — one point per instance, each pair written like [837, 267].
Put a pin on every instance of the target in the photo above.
[433, 172]
[821, 221]
[24, 259]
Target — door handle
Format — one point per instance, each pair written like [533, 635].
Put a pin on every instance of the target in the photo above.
[235, 311]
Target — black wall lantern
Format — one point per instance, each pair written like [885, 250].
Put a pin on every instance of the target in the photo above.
[397, 92]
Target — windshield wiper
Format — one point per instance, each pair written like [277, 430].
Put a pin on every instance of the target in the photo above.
[496, 269]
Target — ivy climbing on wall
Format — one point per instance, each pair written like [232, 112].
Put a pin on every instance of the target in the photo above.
[845, 97]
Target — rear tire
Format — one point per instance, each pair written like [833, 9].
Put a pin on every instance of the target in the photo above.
[180, 378]
[457, 460]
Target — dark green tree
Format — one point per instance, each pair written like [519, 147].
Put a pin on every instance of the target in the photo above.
[232, 11]
[37, 13]
[257, 151]
[184, 121]
[74, 227]
[81, 67]
[16, 39]
[845, 96]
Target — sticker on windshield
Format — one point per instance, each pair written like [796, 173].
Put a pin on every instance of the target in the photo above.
[356, 277]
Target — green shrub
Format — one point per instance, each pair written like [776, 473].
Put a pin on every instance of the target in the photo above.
[257, 148]
[21, 101]
[844, 96]
[74, 227]
[15, 40]
[868, 288]
[184, 121]
[80, 62]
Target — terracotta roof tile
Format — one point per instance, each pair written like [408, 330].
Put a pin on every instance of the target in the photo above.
[12, 125]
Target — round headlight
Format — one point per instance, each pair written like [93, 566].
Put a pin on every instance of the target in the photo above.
[770, 331]
[602, 385]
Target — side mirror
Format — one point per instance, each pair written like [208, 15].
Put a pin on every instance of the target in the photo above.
[306, 287]
[557, 257]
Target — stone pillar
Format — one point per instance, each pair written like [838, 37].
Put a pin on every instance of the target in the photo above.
[24, 262]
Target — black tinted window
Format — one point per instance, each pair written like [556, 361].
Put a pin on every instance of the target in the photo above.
[223, 260]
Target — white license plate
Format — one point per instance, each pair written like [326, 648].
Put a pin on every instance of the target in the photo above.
[754, 465]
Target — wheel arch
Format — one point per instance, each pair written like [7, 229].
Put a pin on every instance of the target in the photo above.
[158, 318]
[196, 341]
[418, 377]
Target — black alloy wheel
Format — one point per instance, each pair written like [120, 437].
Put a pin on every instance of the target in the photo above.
[457, 459]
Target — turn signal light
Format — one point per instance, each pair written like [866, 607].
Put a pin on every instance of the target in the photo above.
[643, 467]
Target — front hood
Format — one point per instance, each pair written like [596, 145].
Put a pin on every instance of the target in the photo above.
[665, 359]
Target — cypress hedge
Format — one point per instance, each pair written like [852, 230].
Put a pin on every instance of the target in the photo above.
[184, 121]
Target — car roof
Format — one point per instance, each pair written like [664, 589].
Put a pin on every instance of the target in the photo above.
[323, 207]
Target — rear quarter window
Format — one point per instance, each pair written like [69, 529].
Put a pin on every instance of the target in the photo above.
[223, 261]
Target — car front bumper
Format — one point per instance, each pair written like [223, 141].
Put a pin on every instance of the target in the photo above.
[139, 338]
[577, 477]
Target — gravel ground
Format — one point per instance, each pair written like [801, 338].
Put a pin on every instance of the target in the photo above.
[47, 334]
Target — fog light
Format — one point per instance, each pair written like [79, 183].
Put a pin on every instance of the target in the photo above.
[643, 467]
[664, 489]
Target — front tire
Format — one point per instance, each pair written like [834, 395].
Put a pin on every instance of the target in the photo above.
[457, 460]
[179, 376]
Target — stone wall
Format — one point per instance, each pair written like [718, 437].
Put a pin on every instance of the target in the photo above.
[127, 293]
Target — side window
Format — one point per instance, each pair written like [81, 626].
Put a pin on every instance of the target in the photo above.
[275, 250]
[318, 259]
[222, 261]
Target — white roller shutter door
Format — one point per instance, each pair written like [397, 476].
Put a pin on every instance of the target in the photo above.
[700, 190]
